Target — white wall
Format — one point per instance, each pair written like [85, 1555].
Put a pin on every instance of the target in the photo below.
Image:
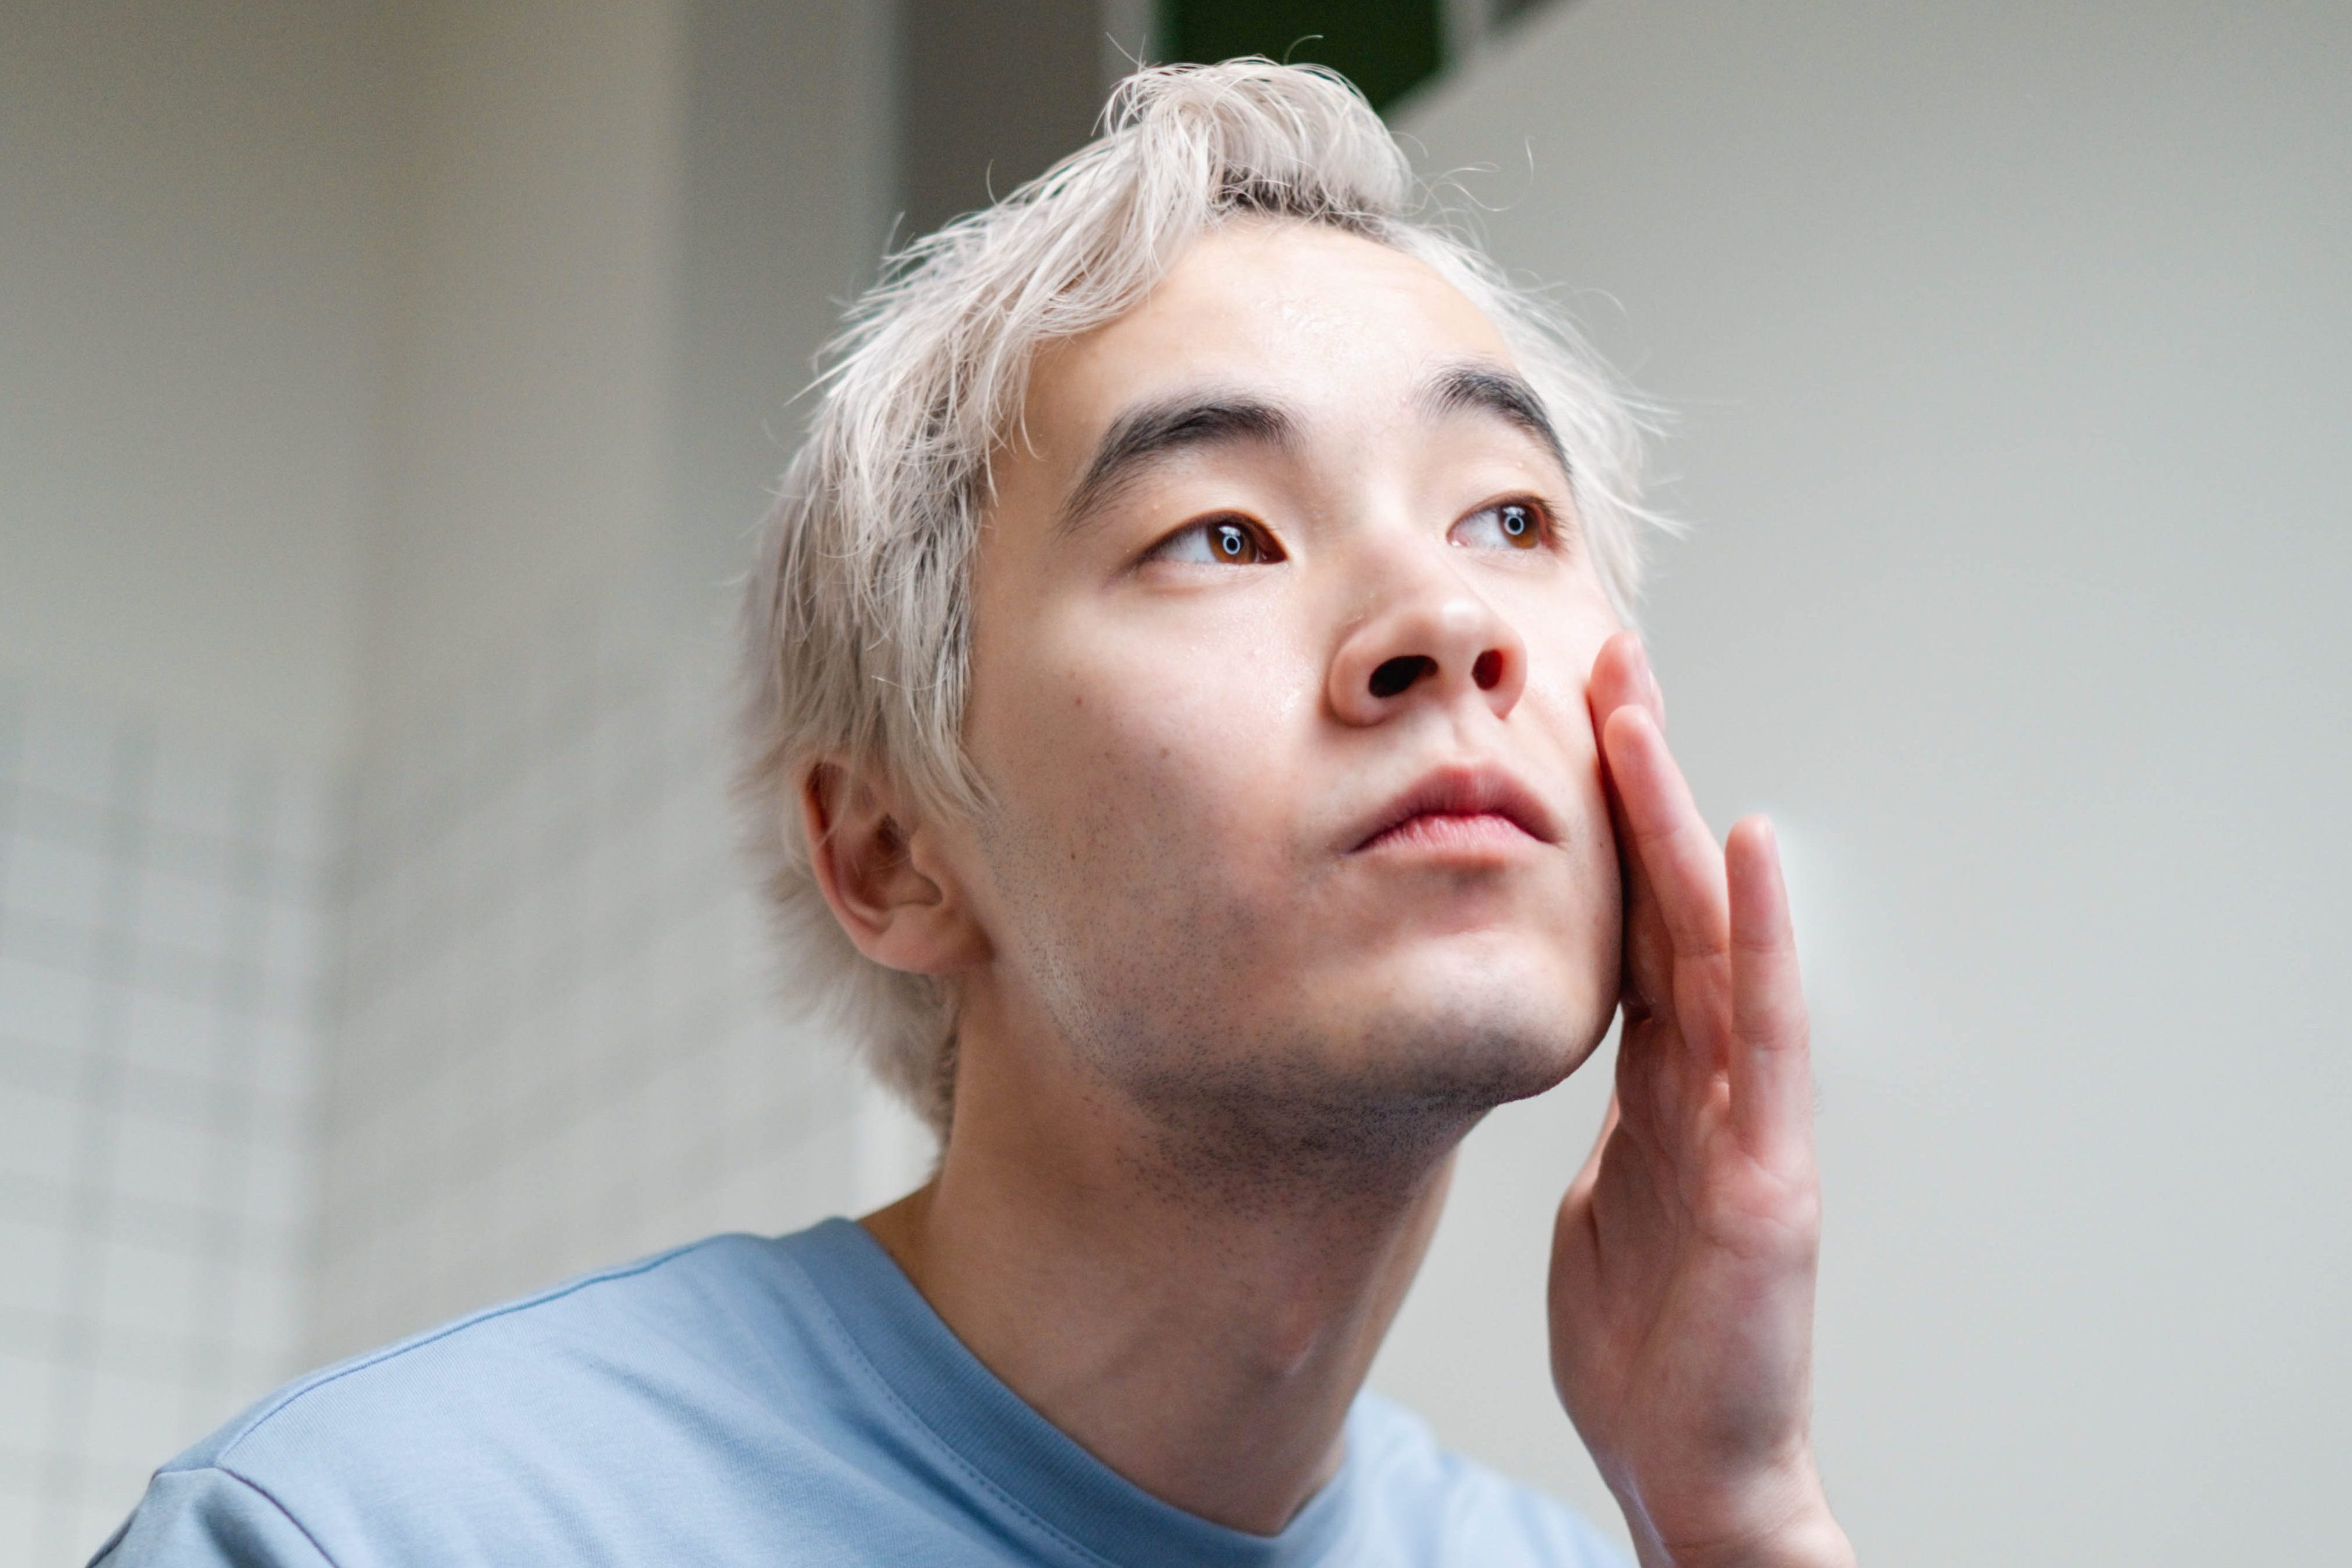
[2014, 358]
[558, 1043]
[189, 291]
[785, 202]
[534, 176]
[348, 353]
[619, 232]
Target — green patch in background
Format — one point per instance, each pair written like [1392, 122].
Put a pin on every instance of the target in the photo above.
[1386, 47]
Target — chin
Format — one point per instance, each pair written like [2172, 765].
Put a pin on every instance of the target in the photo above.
[1472, 1048]
[1485, 1005]
[1331, 1088]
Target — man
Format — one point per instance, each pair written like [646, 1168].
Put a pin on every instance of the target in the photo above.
[1197, 756]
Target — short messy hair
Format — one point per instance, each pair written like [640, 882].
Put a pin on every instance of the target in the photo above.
[857, 623]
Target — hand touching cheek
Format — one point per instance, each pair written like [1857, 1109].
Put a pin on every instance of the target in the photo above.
[1683, 1261]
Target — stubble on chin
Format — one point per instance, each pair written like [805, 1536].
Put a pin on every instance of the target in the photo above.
[1262, 1119]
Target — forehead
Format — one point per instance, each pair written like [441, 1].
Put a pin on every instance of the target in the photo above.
[1321, 319]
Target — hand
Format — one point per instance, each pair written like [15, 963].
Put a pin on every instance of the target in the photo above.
[1682, 1266]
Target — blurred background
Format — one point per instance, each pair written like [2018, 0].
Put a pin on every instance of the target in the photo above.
[387, 391]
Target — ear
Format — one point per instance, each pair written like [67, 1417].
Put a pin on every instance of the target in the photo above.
[884, 877]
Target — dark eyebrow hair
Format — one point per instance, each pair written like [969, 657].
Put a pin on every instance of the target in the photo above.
[1474, 387]
[1152, 431]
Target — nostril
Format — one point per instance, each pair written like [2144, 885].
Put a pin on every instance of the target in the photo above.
[1488, 669]
[1396, 675]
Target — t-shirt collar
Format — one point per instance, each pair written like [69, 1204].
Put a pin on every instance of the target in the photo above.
[1037, 1466]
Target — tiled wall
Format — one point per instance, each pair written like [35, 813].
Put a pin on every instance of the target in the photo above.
[519, 962]
[519, 958]
[558, 1045]
[162, 909]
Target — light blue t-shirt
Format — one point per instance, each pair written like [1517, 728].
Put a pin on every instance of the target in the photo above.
[749, 1401]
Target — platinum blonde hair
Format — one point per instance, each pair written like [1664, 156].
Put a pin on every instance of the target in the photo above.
[858, 620]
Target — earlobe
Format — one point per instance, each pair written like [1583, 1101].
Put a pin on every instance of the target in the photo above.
[862, 850]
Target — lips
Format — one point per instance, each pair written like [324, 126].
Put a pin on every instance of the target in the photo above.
[1456, 803]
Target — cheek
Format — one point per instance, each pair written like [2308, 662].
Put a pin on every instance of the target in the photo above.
[1141, 840]
[1142, 762]
[1559, 667]
[1560, 651]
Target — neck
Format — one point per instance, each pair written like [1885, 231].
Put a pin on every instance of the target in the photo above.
[1200, 1325]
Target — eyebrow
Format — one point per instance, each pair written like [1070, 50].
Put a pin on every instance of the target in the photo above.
[1155, 432]
[1476, 388]
[1151, 433]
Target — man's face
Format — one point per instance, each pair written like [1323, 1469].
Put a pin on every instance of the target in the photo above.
[1282, 628]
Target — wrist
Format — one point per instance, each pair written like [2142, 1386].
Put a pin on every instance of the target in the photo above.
[1813, 1542]
[1782, 1523]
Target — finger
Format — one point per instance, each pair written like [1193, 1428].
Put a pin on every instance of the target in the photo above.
[1771, 1076]
[1621, 676]
[1670, 840]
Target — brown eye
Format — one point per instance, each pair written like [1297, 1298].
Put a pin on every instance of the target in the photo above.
[1232, 543]
[1219, 542]
[1507, 525]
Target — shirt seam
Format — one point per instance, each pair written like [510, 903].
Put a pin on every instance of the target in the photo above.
[264, 1493]
[392, 1352]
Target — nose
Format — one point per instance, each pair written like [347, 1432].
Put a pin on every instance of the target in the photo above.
[1439, 644]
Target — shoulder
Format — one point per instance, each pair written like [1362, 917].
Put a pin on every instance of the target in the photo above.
[597, 1336]
[532, 1424]
[201, 1515]
[1456, 1510]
